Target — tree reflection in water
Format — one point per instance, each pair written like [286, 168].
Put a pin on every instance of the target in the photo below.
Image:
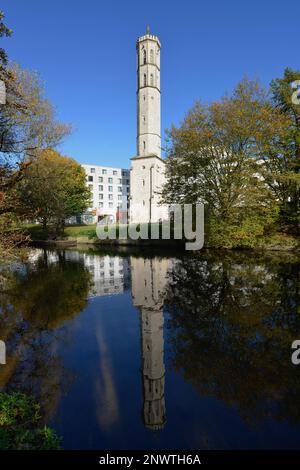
[36, 299]
[232, 322]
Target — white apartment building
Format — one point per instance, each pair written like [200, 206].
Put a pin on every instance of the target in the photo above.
[110, 190]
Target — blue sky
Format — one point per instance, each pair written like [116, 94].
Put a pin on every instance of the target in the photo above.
[85, 54]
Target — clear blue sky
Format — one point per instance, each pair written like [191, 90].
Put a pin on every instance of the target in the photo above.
[85, 53]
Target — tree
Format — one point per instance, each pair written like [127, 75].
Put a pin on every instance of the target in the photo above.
[215, 158]
[27, 124]
[4, 31]
[53, 189]
[282, 161]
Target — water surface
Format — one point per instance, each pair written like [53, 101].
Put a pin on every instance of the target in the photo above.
[151, 352]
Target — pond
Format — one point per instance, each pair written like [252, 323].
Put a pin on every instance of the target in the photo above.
[137, 351]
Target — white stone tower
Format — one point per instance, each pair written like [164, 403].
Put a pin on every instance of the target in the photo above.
[148, 282]
[147, 172]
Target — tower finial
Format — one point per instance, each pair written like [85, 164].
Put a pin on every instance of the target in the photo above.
[148, 29]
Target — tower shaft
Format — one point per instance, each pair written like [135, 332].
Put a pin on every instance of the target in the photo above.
[148, 96]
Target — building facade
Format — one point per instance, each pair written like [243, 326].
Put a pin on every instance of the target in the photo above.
[110, 191]
[148, 169]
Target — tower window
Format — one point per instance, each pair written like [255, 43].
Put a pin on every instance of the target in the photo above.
[152, 56]
[151, 79]
[145, 79]
[144, 144]
[144, 57]
[143, 182]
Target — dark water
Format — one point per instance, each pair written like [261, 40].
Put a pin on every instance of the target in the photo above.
[128, 352]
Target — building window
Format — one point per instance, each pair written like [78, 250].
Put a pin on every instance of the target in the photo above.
[104, 172]
[110, 197]
[128, 190]
[151, 79]
[119, 197]
[100, 196]
[100, 204]
[110, 180]
[92, 170]
[144, 57]
[143, 182]
[120, 180]
[143, 203]
[119, 189]
[100, 179]
[110, 188]
[152, 56]
[110, 205]
[90, 178]
[91, 187]
[115, 172]
[145, 79]
[144, 145]
[144, 168]
[101, 187]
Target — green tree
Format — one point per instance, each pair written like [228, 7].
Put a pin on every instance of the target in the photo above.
[53, 189]
[4, 31]
[282, 161]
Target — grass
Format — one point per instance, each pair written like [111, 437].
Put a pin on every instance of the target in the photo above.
[37, 232]
[81, 231]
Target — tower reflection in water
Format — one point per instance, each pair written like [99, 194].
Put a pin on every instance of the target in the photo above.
[149, 278]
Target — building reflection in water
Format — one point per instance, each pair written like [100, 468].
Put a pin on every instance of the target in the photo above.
[109, 274]
[149, 278]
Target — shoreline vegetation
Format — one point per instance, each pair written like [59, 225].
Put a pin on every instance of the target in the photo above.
[21, 425]
[86, 235]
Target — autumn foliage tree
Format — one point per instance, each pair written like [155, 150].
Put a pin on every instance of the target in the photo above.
[218, 156]
[27, 124]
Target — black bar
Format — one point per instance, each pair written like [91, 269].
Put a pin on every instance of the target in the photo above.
[133, 459]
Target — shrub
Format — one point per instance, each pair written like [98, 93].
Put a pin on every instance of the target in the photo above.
[20, 425]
